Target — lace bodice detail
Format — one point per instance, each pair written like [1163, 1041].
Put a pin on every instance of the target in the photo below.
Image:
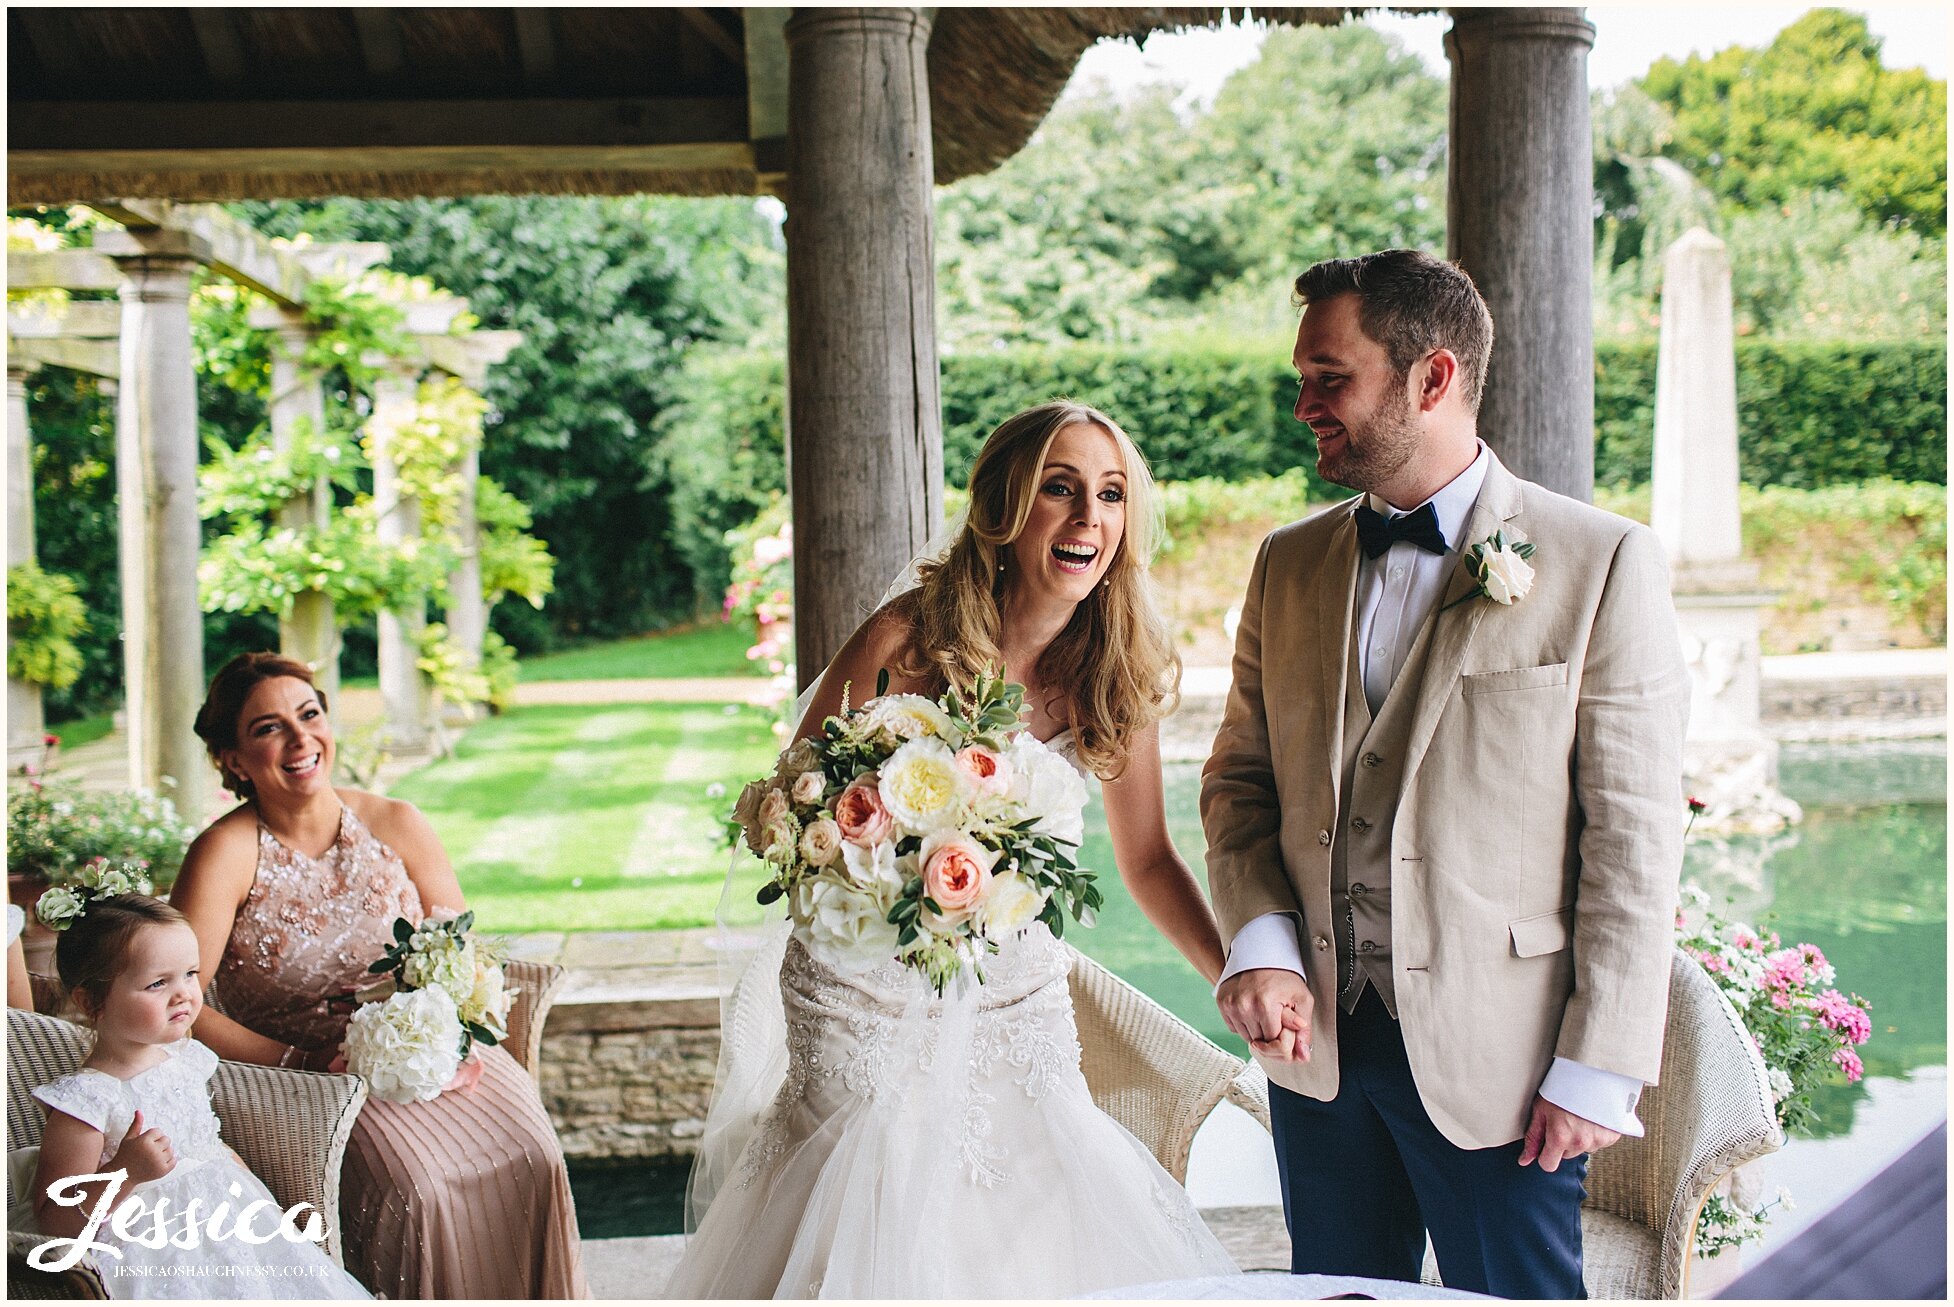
[173, 1096]
[308, 930]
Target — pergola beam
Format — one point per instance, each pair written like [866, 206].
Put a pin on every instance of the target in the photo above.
[217, 39]
[97, 358]
[81, 319]
[236, 250]
[61, 270]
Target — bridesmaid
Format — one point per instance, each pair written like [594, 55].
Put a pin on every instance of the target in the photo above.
[292, 894]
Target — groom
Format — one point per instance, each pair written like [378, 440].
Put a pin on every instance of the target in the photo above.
[1444, 812]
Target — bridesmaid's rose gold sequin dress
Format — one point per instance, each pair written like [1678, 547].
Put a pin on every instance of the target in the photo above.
[462, 1197]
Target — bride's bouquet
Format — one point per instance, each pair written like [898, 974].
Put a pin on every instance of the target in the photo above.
[925, 831]
[441, 993]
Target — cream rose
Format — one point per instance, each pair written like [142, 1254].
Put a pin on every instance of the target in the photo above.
[1013, 903]
[1505, 575]
[821, 842]
[905, 717]
[809, 786]
[863, 817]
[956, 873]
[779, 839]
[922, 786]
[773, 807]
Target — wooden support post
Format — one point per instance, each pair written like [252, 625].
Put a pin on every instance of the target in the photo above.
[156, 478]
[403, 686]
[25, 722]
[467, 607]
[1520, 220]
[865, 426]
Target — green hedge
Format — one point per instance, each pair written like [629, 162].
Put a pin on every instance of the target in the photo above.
[1810, 415]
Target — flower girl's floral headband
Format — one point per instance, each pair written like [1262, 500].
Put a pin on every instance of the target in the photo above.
[101, 878]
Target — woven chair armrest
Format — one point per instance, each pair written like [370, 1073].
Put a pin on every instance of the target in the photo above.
[536, 985]
[82, 1280]
[291, 1128]
[1249, 1090]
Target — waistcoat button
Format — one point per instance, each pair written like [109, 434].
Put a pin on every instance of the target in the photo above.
[1323, 837]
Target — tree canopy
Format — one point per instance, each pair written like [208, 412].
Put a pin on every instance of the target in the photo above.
[1814, 110]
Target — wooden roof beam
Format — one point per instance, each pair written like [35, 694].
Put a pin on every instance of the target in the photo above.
[716, 35]
[381, 48]
[536, 46]
[217, 38]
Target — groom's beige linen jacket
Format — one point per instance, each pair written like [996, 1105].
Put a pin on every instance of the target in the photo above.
[1537, 839]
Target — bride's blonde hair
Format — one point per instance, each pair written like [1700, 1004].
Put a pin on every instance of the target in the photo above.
[1115, 657]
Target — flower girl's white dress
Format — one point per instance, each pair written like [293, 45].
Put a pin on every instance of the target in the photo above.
[925, 1148]
[174, 1097]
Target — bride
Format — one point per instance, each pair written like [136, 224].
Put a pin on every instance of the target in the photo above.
[881, 1142]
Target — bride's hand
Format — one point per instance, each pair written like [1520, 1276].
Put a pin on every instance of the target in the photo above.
[1271, 1008]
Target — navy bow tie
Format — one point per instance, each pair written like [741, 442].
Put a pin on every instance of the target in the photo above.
[1377, 533]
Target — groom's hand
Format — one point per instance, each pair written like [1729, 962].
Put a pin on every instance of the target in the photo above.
[1271, 1008]
[1555, 1134]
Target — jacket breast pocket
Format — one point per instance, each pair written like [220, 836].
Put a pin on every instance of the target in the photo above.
[1520, 678]
[1547, 932]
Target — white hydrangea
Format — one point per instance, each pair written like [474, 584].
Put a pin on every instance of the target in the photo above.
[408, 1047]
[442, 961]
[1049, 788]
[844, 927]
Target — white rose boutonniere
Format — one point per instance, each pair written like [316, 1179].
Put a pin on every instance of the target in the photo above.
[1499, 564]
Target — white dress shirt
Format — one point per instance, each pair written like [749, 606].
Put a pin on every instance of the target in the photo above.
[1396, 591]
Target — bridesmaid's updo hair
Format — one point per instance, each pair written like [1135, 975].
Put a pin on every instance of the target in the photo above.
[216, 722]
[88, 954]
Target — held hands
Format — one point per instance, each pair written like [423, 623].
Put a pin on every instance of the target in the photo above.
[1555, 1134]
[146, 1153]
[1271, 1008]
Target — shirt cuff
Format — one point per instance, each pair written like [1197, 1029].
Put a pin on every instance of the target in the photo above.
[1603, 1097]
[1268, 941]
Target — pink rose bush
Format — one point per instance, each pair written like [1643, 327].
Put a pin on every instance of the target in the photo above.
[921, 831]
[1805, 1029]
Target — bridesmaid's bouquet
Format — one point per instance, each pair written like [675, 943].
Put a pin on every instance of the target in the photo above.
[416, 1028]
[924, 831]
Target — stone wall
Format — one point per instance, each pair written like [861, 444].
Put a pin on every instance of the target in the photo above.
[629, 1079]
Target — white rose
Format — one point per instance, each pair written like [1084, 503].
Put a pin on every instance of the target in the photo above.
[773, 807]
[408, 1047]
[1013, 903]
[821, 842]
[846, 928]
[922, 786]
[488, 1004]
[809, 786]
[1506, 576]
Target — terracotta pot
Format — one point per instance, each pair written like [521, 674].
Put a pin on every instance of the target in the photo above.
[36, 940]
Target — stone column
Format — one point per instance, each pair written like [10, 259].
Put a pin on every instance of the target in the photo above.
[1519, 219]
[310, 631]
[403, 686]
[865, 424]
[1729, 762]
[156, 479]
[467, 608]
[25, 722]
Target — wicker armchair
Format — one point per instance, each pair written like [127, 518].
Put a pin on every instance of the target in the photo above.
[536, 985]
[290, 1127]
[1152, 1072]
[1711, 1113]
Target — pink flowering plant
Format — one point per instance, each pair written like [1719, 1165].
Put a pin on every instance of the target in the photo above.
[1806, 1030]
[924, 832]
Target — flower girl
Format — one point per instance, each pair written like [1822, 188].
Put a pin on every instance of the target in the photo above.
[131, 1169]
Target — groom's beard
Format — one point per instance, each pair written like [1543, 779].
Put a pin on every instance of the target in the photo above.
[1376, 452]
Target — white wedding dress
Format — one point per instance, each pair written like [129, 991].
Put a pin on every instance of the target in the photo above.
[918, 1147]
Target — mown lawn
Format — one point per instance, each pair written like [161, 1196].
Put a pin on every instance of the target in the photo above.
[708, 649]
[593, 817]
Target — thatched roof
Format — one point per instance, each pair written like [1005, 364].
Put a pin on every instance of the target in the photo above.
[239, 103]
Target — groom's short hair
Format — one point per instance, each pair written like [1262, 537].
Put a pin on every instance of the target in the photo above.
[1412, 304]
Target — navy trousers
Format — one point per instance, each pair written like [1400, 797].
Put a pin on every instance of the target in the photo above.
[1367, 1175]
